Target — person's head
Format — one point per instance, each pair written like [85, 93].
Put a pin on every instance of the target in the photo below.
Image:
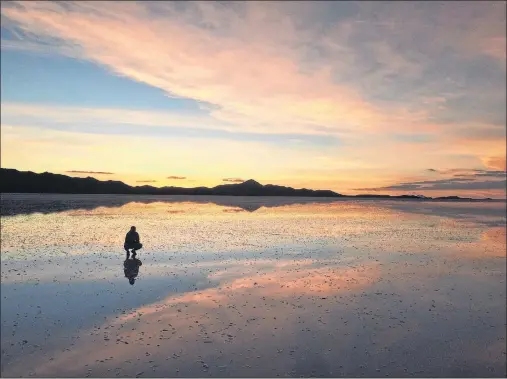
[132, 228]
[132, 280]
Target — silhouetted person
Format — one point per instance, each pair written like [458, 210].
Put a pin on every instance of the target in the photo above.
[132, 242]
[131, 269]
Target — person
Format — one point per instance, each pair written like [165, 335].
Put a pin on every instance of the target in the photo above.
[132, 242]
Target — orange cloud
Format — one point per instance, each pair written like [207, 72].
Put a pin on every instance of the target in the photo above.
[495, 163]
[90, 172]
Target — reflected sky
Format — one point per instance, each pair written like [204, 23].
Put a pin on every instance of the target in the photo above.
[336, 288]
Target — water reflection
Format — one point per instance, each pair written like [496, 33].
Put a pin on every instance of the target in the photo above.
[187, 228]
[399, 321]
[25, 204]
[314, 289]
[131, 269]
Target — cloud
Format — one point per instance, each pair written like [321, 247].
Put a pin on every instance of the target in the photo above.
[470, 173]
[496, 162]
[233, 180]
[90, 172]
[87, 116]
[483, 173]
[146, 181]
[462, 183]
[416, 22]
[176, 177]
[248, 58]
[382, 78]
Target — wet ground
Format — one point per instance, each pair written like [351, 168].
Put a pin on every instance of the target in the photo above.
[252, 287]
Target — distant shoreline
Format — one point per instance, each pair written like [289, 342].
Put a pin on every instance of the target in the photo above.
[26, 182]
[335, 198]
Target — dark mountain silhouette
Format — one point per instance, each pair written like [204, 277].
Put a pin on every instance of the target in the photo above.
[454, 198]
[14, 181]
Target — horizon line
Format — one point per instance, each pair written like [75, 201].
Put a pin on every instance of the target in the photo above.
[413, 196]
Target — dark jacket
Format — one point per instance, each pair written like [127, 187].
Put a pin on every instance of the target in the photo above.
[131, 237]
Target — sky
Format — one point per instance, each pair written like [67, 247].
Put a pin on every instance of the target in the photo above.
[356, 97]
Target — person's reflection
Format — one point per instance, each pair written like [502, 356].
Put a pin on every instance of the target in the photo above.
[131, 269]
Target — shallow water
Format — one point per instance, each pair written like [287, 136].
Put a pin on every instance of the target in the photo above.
[252, 287]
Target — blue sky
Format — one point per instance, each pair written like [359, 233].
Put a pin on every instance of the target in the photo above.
[55, 79]
[337, 95]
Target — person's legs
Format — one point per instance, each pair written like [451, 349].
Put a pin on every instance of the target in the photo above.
[126, 247]
[135, 247]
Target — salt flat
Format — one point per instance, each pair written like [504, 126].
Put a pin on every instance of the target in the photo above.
[252, 287]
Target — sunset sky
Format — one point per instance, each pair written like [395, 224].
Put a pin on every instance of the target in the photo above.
[378, 97]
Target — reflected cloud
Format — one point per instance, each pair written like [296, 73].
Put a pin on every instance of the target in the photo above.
[496, 235]
[24, 204]
[233, 210]
[187, 316]
[490, 214]
[252, 294]
[175, 211]
[243, 328]
[201, 227]
[312, 282]
[492, 244]
[284, 283]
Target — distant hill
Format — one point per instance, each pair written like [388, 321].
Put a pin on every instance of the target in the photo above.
[14, 181]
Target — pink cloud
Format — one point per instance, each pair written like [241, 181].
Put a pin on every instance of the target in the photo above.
[248, 65]
[255, 83]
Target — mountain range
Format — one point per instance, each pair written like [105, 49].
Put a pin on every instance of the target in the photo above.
[14, 181]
